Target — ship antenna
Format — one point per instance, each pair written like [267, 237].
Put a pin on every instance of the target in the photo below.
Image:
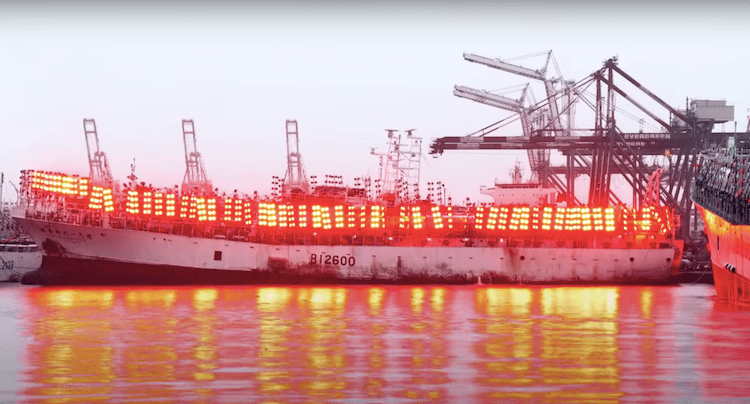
[132, 176]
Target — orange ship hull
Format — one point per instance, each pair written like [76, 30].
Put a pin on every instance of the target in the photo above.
[729, 245]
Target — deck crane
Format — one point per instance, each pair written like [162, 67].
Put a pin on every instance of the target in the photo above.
[99, 173]
[195, 174]
[295, 179]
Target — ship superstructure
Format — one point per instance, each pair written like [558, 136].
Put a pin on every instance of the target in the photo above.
[518, 191]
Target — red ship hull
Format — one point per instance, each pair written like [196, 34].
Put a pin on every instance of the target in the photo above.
[729, 245]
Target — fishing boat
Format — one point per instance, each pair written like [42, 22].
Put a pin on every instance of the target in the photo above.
[92, 230]
[19, 254]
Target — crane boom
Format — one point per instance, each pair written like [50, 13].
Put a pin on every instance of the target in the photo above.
[508, 67]
[549, 85]
[99, 172]
[195, 174]
[490, 99]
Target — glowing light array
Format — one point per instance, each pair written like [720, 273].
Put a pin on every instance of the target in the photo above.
[184, 206]
[609, 219]
[96, 200]
[228, 212]
[158, 204]
[57, 183]
[325, 217]
[170, 205]
[417, 218]
[316, 223]
[200, 209]
[598, 219]
[302, 215]
[107, 198]
[238, 210]
[351, 216]
[484, 219]
[377, 216]
[646, 219]
[437, 217]
[267, 214]
[248, 213]
[547, 218]
[559, 219]
[338, 216]
[479, 218]
[147, 203]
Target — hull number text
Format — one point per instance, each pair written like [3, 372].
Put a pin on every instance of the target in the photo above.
[325, 259]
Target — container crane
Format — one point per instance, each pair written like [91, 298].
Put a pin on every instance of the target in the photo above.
[537, 157]
[497, 101]
[549, 121]
[541, 75]
[99, 173]
[195, 174]
[295, 179]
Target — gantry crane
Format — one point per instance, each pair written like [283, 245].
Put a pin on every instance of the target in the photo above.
[195, 174]
[295, 179]
[99, 173]
[531, 118]
[614, 151]
[541, 75]
[537, 157]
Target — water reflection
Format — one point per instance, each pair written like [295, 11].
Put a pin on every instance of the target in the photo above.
[421, 344]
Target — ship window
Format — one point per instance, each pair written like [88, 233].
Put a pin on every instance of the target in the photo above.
[2, 248]
[217, 255]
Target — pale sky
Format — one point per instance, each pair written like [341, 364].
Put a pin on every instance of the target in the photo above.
[344, 71]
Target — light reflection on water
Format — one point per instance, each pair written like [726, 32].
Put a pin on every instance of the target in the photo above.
[469, 344]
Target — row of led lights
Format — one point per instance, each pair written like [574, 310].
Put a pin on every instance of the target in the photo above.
[64, 183]
[59, 183]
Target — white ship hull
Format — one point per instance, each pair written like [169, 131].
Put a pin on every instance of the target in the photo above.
[81, 253]
[16, 260]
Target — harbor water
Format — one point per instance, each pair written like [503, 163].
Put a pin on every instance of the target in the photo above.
[367, 344]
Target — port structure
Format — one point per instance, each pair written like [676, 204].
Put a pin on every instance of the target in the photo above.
[295, 180]
[604, 149]
[399, 168]
[559, 117]
[195, 180]
[99, 172]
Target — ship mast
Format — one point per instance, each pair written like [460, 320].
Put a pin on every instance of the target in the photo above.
[195, 174]
[99, 167]
[295, 179]
[399, 168]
